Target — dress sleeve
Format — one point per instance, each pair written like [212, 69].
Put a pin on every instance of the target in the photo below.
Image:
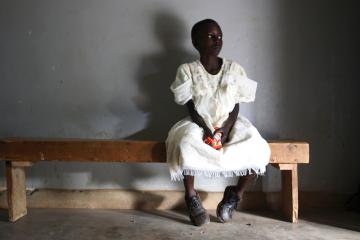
[245, 87]
[182, 85]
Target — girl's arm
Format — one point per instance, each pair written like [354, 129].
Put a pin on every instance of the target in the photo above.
[229, 123]
[196, 118]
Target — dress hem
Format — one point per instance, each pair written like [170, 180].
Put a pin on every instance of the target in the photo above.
[179, 175]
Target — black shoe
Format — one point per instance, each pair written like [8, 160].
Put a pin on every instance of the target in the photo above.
[197, 212]
[228, 204]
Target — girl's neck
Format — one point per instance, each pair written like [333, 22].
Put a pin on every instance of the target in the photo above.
[212, 64]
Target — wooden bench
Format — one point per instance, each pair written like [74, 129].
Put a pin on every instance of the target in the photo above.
[22, 153]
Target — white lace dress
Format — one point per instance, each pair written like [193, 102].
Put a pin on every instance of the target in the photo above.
[214, 97]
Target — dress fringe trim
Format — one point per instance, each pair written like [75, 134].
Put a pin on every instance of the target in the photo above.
[179, 175]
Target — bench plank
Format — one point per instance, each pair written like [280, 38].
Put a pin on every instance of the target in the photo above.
[121, 151]
[82, 150]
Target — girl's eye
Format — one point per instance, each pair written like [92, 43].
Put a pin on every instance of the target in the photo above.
[210, 36]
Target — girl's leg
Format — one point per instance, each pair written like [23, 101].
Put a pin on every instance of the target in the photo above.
[189, 185]
[243, 183]
[232, 196]
[197, 212]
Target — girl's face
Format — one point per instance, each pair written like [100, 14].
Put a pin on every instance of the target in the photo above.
[209, 40]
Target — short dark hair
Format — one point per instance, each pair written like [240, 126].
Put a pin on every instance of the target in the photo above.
[197, 27]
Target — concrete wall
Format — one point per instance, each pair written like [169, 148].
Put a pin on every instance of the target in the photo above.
[101, 69]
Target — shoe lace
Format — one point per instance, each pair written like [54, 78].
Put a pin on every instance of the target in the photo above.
[194, 202]
[231, 204]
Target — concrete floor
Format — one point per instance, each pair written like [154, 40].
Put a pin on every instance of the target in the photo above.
[130, 224]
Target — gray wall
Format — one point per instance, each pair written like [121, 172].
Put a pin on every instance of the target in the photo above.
[102, 69]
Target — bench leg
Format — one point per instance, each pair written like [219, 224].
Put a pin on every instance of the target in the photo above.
[16, 190]
[289, 190]
[290, 202]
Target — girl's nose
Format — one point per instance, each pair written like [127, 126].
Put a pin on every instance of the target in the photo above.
[217, 41]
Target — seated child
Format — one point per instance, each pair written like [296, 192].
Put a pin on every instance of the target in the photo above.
[214, 140]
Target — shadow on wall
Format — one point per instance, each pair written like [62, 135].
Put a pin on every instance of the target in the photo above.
[155, 74]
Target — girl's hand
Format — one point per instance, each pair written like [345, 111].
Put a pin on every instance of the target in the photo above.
[207, 133]
[221, 129]
[224, 136]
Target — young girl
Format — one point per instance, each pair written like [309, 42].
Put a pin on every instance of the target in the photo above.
[215, 140]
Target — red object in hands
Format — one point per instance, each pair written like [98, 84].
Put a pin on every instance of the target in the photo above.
[216, 141]
[209, 141]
